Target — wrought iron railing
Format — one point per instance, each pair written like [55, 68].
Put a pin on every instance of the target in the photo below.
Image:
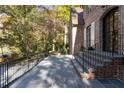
[97, 58]
[14, 69]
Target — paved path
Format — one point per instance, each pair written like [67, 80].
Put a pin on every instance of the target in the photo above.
[54, 71]
[58, 72]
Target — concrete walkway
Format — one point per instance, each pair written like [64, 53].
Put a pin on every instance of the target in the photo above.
[54, 71]
[58, 72]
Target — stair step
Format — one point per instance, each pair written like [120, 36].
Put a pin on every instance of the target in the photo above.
[96, 54]
[92, 62]
[101, 62]
[94, 83]
[102, 53]
[85, 65]
[106, 54]
[77, 67]
[98, 59]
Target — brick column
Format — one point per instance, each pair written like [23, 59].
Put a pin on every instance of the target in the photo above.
[78, 39]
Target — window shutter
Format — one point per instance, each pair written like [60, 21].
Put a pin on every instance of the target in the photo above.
[93, 34]
[85, 37]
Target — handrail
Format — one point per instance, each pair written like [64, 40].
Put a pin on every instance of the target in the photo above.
[14, 69]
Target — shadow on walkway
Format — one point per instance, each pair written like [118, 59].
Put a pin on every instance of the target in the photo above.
[54, 71]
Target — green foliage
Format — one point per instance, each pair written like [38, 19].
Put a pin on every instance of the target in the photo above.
[64, 51]
[32, 31]
[63, 13]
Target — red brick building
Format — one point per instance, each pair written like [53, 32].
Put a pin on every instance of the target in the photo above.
[93, 19]
[106, 23]
[103, 30]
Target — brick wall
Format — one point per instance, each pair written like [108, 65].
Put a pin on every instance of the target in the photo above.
[95, 15]
[76, 21]
[112, 70]
[121, 73]
[79, 39]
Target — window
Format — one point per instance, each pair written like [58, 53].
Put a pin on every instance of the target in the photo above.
[111, 29]
[88, 36]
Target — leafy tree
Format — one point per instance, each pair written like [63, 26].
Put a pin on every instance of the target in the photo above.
[35, 29]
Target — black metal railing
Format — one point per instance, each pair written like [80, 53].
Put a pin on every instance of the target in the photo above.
[97, 56]
[14, 69]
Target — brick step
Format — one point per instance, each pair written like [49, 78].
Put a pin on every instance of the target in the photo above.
[105, 54]
[103, 63]
[109, 71]
[90, 62]
[84, 65]
[98, 54]
[101, 72]
[95, 60]
[77, 67]
[102, 53]
[95, 83]
[98, 59]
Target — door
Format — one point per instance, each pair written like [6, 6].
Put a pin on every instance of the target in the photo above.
[111, 30]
